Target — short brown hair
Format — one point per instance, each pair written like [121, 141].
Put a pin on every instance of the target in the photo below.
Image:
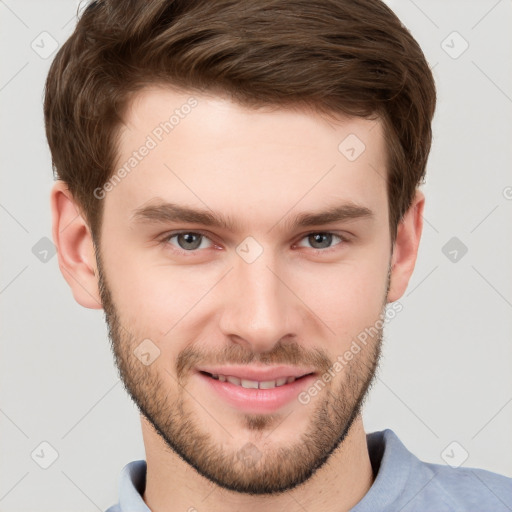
[335, 56]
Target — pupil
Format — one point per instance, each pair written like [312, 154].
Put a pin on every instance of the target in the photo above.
[189, 239]
[317, 238]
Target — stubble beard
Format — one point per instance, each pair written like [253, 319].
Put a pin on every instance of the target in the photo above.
[247, 469]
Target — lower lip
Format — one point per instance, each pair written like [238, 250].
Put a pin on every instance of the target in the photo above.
[257, 400]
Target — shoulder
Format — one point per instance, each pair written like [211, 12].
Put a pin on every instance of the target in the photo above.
[404, 482]
[467, 488]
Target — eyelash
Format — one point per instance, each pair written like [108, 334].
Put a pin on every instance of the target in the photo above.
[165, 240]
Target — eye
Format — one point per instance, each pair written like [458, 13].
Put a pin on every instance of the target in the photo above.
[191, 241]
[322, 241]
[187, 241]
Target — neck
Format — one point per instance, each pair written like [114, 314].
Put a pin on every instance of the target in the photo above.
[171, 484]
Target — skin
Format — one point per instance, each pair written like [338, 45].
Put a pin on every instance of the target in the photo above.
[260, 167]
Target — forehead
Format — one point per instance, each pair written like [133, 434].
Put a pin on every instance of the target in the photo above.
[208, 151]
[159, 110]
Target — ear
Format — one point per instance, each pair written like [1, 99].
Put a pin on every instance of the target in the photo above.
[75, 248]
[405, 248]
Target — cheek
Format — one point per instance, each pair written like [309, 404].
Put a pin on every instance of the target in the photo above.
[180, 303]
[159, 301]
[349, 296]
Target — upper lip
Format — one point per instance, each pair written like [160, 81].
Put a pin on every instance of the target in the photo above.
[257, 373]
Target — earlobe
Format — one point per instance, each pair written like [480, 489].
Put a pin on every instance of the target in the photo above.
[75, 248]
[405, 249]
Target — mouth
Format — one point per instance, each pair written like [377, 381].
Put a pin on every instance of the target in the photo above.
[255, 384]
[256, 389]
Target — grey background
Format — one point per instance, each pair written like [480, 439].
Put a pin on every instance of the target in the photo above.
[445, 374]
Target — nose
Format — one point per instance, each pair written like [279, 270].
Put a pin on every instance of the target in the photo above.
[259, 309]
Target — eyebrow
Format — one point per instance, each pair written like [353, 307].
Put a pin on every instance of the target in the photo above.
[163, 212]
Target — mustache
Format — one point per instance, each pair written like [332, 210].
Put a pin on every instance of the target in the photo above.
[282, 353]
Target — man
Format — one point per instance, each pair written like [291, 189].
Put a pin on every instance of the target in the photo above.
[238, 183]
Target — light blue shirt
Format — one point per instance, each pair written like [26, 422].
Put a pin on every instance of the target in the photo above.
[403, 483]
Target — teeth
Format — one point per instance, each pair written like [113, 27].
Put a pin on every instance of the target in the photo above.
[249, 384]
[254, 384]
[234, 380]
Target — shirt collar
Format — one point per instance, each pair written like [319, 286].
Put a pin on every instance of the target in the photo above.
[131, 487]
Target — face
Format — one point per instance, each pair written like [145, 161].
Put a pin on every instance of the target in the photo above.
[232, 324]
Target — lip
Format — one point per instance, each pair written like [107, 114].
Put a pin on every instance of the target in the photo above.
[259, 401]
[259, 373]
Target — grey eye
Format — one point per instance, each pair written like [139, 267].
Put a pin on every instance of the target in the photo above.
[188, 241]
[323, 240]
